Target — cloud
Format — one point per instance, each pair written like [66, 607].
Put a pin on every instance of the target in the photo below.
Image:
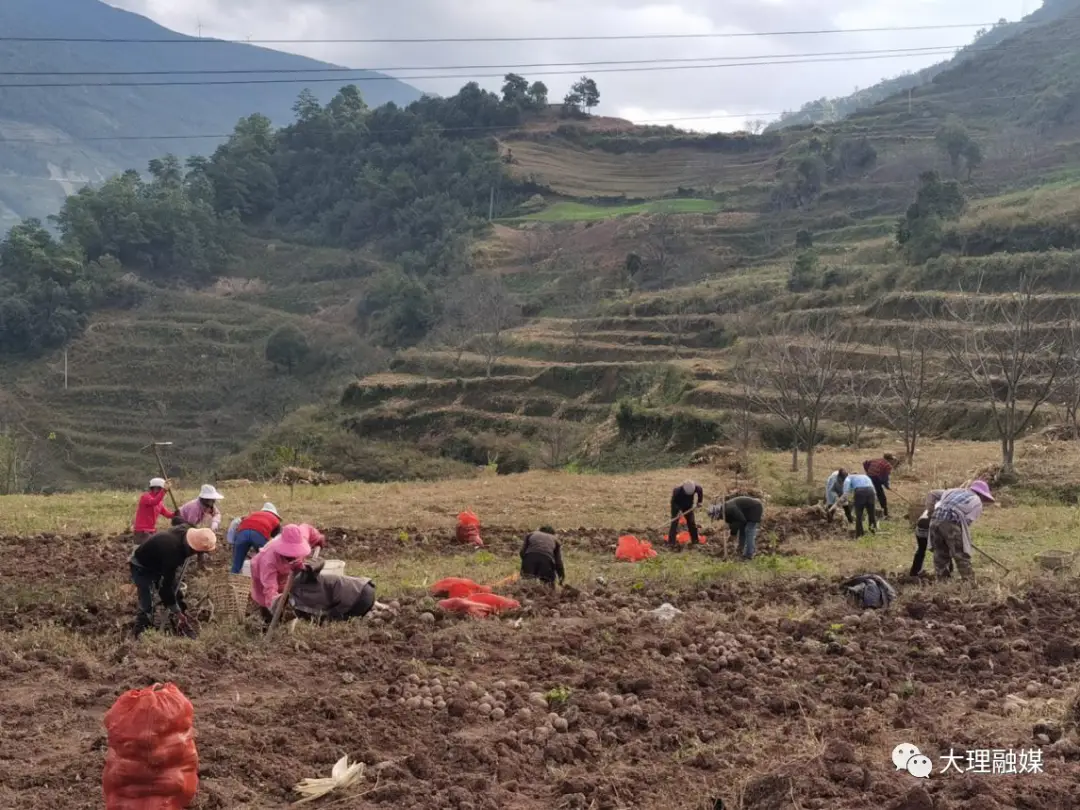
[716, 96]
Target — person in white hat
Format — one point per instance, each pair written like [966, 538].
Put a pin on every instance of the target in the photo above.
[203, 508]
[151, 507]
[254, 532]
[682, 505]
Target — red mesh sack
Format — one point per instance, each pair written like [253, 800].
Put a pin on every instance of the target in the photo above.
[499, 603]
[633, 550]
[682, 538]
[467, 607]
[468, 529]
[457, 587]
[151, 763]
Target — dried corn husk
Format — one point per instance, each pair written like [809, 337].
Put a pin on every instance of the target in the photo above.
[342, 776]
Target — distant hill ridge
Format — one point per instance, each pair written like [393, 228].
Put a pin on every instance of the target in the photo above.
[58, 137]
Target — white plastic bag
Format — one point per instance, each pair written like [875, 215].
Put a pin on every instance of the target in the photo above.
[230, 535]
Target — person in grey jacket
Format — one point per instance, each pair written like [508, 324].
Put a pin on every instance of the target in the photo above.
[743, 516]
[317, 596]
[541, 557]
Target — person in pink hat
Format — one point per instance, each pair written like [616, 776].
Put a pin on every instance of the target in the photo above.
[950, 526]
[278, 560]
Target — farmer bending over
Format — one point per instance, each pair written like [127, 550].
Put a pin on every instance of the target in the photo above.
[922, 536]
[860, 489]
[322, 597]
[541, 557]
[879, 470]
[278, 560]
[151, 506]
[682, 504]
[203, 508]
[743, 516]
[156, 563]
[950, 526]
[834, 488]
[254, 532]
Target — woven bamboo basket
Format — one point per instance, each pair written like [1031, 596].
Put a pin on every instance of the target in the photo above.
[1057, 561]
[229, 595]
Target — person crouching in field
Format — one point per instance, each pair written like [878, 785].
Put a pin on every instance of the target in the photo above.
[320, 597]
[682, 505]
[254, 532]
[151, 506]
[541, 557]
[834, 488]
[203, 508]
[743, 516]
[156, 564]
[277, 561]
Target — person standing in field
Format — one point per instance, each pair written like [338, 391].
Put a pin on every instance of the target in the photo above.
[834, 488]
[254, 532]
[682, 505]
[879, 470]
[204, 508]
[151, 506]
[743, 516]
[859, 489]
[950, 526]
[541, 557]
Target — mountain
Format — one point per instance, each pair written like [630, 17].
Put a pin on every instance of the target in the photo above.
[826, 110]
[54, 139]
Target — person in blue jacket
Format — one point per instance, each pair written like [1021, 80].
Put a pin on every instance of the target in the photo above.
[859, 490]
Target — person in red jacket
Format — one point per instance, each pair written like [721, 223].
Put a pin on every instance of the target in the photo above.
[151, 506]
[254, 532]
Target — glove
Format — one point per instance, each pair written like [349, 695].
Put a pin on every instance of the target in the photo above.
[297, 565]
[317, 539]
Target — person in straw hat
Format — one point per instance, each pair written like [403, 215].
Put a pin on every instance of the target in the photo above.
[254, 532]
[278, 560]
[950, 526]
[682, 505]
[203, 508]
[157, 563]
[151, 507]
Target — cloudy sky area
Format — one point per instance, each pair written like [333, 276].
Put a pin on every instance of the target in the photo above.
[706, 99]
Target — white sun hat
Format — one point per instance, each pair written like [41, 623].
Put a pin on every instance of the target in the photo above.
[269, 507]
[210, 493]
[157, 482]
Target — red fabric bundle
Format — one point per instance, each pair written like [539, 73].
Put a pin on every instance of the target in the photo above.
[632, 549]
[457, 587]
[493, 600]
[468, 529]
[152, 763]
[467, 607]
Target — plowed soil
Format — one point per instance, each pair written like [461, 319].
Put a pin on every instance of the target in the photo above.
[769, 696]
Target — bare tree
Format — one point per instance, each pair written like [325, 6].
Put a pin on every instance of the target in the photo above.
[861, 395]
[756, 126]
[19, 460]
[559, 441]
[664, 242]
[917, 388]
[477, 312]
[678, 324]
[799, 384]
[1068, 393]
[1010, 351]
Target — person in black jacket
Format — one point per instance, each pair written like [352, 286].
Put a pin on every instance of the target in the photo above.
[156, 565]
[743, 517]
[682, 505]
[541, 557]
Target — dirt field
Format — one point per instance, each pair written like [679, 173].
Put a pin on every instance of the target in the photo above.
[767, 692]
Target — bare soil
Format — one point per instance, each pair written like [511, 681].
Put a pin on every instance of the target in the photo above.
[769, 696]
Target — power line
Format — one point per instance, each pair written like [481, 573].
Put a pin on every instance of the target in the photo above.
[380, 77]
[487, 128]
[433, 40]
[927, 50]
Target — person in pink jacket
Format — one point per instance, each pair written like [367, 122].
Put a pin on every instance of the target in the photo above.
[278, 560]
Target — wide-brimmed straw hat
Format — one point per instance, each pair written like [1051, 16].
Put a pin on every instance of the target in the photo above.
[201, 540]
[292, 542]
[210, 493]
[982, 489]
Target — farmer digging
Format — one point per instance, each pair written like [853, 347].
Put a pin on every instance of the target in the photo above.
[156, 565]
[879, 470]
[834, 490]
[682, 505]
[541, 557]
[151, 507]
[203, 508]
[743, 516]
[950, 526]
[860, 490]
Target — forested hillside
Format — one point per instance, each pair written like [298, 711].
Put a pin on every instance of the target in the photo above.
[72, 112]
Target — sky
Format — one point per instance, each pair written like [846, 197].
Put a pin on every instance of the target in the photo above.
[701, 99]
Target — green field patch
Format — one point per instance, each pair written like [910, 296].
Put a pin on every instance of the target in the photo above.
[579, 212]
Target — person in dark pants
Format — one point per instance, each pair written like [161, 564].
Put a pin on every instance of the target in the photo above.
[860, 490]
[743, 517]
[155, 565]
[834, 488]
[682, 502]
[541, 557]
[879, 470]
[922, 539]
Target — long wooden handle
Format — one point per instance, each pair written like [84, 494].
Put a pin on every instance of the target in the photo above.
[280, 609]
[165, 475]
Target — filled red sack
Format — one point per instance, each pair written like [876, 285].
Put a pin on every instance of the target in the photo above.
[632, 549]
[151, 762]
[467, 607]
[682, 538]
[468, 529]
[499, 603]
[457, 587]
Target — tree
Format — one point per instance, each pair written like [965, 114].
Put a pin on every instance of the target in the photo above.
[804, 272]
[515, 90]
[582, 97]
[398, 310]
[287, 348]
[538, 96]
[1068, 393]
[665, 240]
[917, 387]
[795, 381]
[956, 142]
[973, 157]
[756, 126]
[861, 398]
[477, 312]
[678, 323]
[920, 232]
[1015, 364]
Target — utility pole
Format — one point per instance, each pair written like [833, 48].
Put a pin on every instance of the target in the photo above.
[491, 205]
[65, 370]
[909, 101]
